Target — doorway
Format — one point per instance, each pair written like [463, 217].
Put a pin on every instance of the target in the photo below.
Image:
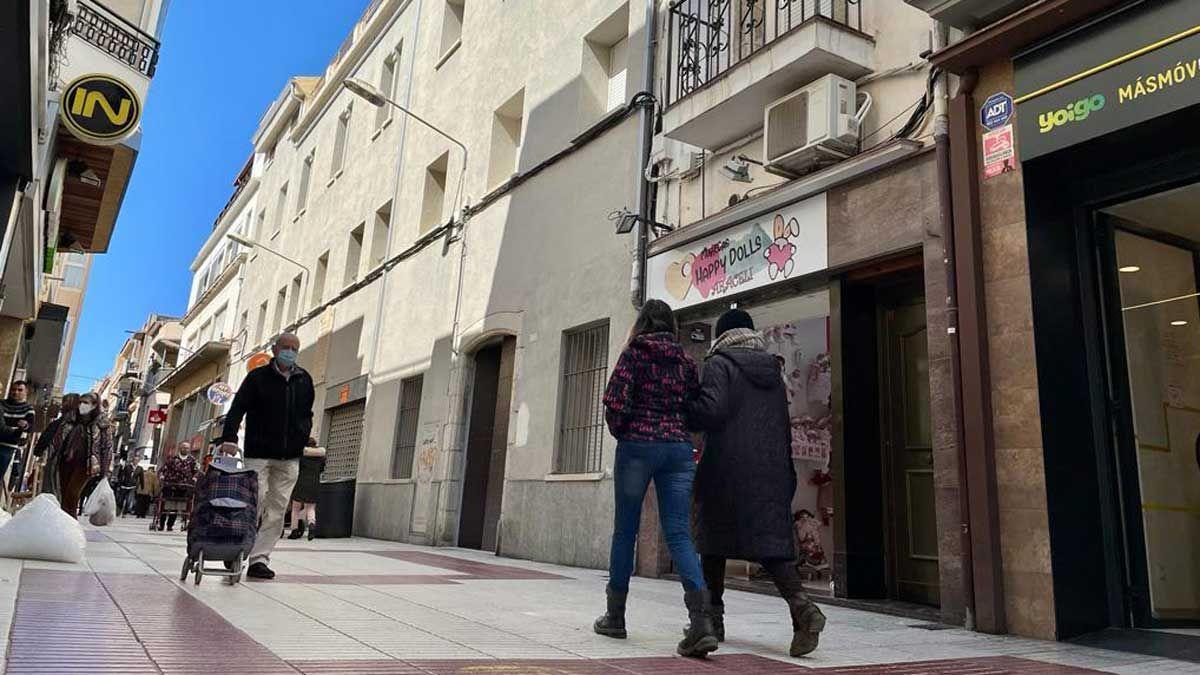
[487, 446]
[887, 530]
[908, 449]
[1150, 265]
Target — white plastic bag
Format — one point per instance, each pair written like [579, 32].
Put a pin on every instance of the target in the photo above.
[43, 531]
[101, 506]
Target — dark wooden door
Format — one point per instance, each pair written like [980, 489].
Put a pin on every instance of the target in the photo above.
[908, 454]
[480, 433]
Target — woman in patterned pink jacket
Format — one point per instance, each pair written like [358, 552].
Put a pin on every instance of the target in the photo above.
[646, 410]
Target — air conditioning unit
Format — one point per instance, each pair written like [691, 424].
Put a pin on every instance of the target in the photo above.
[812, 126]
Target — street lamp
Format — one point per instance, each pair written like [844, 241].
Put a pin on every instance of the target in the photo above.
[250, 243]
[371, 94]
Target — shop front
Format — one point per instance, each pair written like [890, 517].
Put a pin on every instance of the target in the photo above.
[836, 282]
[200, 395]
[1106, 119]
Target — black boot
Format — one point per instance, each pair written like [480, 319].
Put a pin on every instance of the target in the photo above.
[612, 622]
[698, 640]
[297, 531]
[718, 621]
[807, 623]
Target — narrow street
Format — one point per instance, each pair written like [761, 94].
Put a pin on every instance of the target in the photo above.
[367, 606]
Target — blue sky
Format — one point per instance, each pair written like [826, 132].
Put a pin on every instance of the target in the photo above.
[222, 63]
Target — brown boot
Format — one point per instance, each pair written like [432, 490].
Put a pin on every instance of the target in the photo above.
[807, 623]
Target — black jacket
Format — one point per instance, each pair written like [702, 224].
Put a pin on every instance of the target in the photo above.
[278, 412]
[746, 479]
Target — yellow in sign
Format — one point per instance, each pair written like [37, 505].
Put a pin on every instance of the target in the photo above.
[100, 109]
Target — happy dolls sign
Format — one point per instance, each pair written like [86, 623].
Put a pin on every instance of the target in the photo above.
[777, 246]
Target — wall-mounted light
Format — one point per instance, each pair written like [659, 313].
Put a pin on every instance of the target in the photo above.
[1179, 323]
[1129, 269]
[626, 220]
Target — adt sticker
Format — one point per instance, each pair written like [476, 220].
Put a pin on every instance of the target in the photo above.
[996, 111]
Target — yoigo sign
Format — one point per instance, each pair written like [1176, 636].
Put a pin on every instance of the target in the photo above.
[1075, 112]
[1138, 64]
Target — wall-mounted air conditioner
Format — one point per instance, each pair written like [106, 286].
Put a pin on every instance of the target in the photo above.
[812, 126]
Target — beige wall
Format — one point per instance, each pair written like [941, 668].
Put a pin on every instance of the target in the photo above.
[1020, 471]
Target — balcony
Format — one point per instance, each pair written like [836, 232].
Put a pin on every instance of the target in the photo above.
[728, 59]
[112, 34]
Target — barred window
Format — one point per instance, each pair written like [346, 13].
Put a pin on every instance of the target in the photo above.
[585, 369]
[405, 445]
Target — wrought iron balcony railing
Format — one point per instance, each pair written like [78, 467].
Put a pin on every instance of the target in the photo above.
[115, 36]
[707, 38]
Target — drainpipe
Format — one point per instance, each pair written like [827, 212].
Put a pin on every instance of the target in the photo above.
[941, 135]
[977, 449]
[645, 142]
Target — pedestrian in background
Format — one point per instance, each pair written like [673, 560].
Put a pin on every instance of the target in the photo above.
[645, 409]
[87, 452]
[176, 479]
[50, 444]
[276, 400]
[304, 496]
[746, 480]
[18, 423]
[147, 486]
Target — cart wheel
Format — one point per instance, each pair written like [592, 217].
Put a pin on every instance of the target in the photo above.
[199, 567]
[238, 565]
[187, 567]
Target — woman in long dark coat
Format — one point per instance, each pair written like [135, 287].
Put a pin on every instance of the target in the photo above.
[50, 444]
[746, 480]
[304, 495]
[86, 453]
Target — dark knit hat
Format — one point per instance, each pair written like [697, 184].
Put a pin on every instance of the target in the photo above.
[734, 318]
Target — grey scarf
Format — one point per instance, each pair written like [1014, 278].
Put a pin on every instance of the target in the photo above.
[739, 338]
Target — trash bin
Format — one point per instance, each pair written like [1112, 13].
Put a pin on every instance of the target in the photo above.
[335, 508]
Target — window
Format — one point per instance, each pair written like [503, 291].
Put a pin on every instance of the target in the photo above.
[206, 332]
[294, 302]
[405, 445]
[379, 235]
[260, 224]
[242, 327]
[318, 283]
[605, 68]
[339, 144]
[280, 302]
[354, 255]
[302, 189]
[387, 85]
[581, 415]
[280, 206]
[433, 201]
[506, 139]
[74, 270]
[261, 325]
[452, 26]
[218, 331]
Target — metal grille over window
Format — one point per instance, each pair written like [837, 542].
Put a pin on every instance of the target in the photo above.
[406, 427]
[585, 369]
[345, 441]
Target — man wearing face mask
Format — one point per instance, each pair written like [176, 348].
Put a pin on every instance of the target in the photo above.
[277, 402]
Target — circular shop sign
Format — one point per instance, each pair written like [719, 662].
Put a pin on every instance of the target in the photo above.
[220, 393]
[258, 361]
[100, 109]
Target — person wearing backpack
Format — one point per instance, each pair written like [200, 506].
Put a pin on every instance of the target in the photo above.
[746, 480]
[646, 410]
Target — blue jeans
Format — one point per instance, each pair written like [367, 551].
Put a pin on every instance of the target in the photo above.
[6, 458]
[672, 469]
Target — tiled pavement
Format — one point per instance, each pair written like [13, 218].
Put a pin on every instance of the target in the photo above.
[372, 607]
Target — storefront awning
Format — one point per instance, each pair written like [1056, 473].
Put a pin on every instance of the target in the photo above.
[209, 354]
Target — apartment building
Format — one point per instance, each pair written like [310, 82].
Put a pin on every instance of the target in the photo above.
[80, 73]
[132, 389]
[455, 308]
[212, 330]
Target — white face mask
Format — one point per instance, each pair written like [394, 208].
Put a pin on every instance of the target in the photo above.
[86, 408]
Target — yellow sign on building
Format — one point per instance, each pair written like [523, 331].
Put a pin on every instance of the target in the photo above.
[100, 109]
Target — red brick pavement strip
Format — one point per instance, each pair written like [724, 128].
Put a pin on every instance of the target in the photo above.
[371, 579]
[737, 664]
[79, 622]
[466, 569]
